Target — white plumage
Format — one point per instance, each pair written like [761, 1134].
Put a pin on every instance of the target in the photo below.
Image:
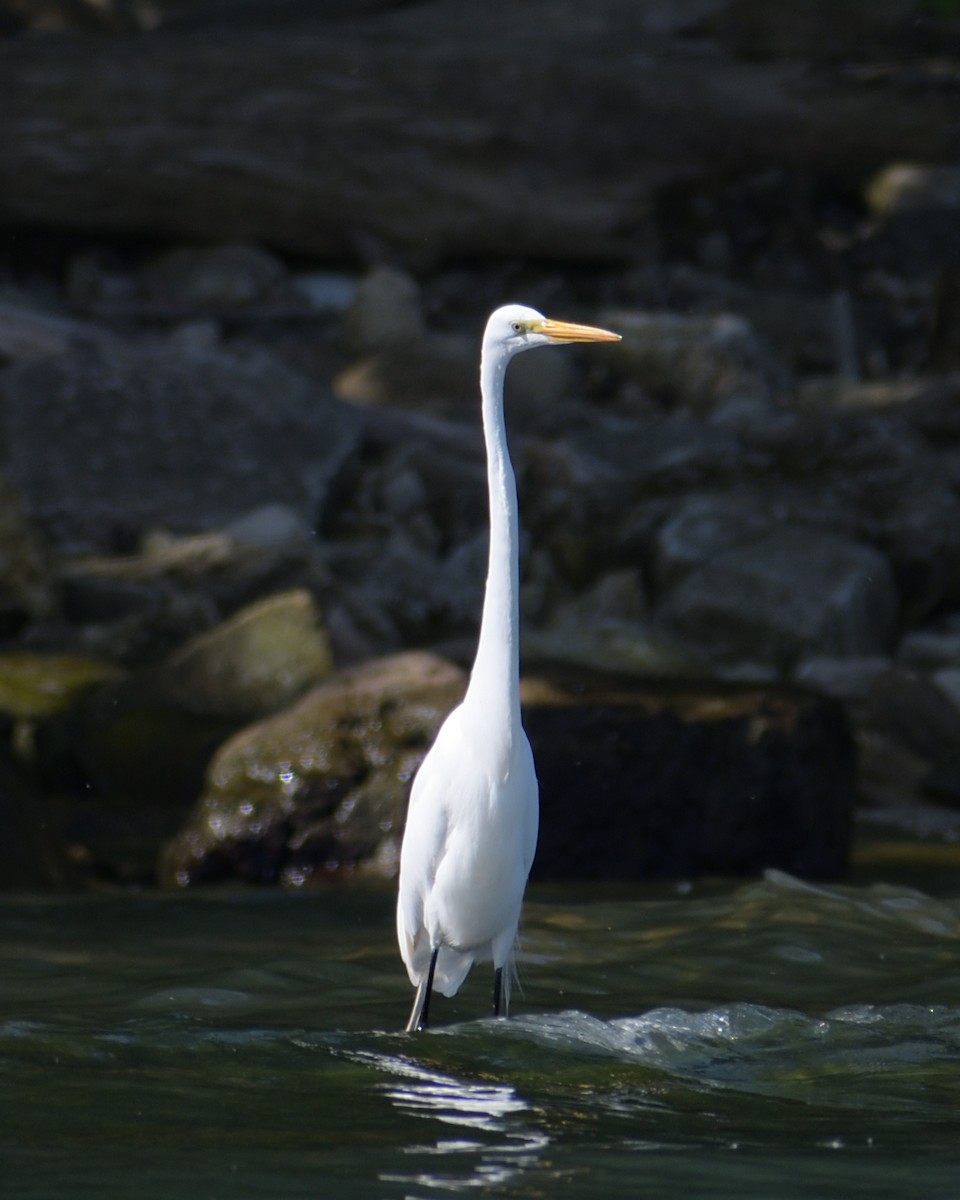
[472, 822]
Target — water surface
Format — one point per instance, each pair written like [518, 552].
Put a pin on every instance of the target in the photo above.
[770, 1040]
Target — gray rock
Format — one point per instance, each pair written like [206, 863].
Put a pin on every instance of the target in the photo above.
[790, 594]
[911, 709]
[948, 681]
[217, 277]
[703, 526]
[270, 525]
[28, 332]
[326, 291]
[140, 607]
[385, 311]
[605, 628]
[256, 662]
[848, 679]
[930, 647]
[28, 588]
[104, 443]
[697, 362]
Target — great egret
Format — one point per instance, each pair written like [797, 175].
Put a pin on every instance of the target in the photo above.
[473, 816]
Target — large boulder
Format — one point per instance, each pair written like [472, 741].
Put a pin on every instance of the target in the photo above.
[321, 786]
[103, 444]
[789, 594]
[665, 780]
[636, 781]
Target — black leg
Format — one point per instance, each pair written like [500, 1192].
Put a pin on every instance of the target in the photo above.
[425, 1011]
[497, 990]
[420, 1015]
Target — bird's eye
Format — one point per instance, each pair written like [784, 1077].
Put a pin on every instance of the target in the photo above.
[516, 327]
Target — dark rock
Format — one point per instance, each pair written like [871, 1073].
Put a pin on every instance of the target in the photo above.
[116, 143]
[696, 362]
[910, 708]
[701, 526]
[605, 628]
[790, 594]
[28, 587]
[321, 786]
[636, 781]
[30, 858]
[146, 437]
[126, 760]
[385, 312]
[848, 679]
[656, 780]
[139, 607]
[256, 662]
[217, 278]
[28, 332]
[34, 686]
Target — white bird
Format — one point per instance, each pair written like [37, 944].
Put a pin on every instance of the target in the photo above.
[473, 816]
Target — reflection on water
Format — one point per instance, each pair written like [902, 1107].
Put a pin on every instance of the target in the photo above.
[479, 1107]
[775, 1039]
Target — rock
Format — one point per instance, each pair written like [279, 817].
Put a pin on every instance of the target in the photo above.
[34, 686]
[426, 374]
[905, 186]
[396, 585]
[833, 29]
[139, 607]
[322, 786]
[696, 362]
[703, 525]
[789, 594]
[28, 332]
[256, 662]
[653, 781]
[439, 374]
[932, 646]
[909, 708]
[270, 525]
[682, 780]
[847, 679]
[142, 438]
[912, 242]
[944, 349]
[326, 291]
[30, 859]
[849, 395]
[114, 145]
[28, 588]
[215, 277]
[385, 312]
[141, 743]
[605, 628]
[909, 746]
[948, 681]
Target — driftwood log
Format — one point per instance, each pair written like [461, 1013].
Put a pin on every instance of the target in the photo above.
[439, 129]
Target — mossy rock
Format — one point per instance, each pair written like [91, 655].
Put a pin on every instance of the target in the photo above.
[322, 786]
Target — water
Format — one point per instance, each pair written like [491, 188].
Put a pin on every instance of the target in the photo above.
[768, 1040]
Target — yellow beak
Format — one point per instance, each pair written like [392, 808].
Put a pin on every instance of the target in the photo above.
[564, 331]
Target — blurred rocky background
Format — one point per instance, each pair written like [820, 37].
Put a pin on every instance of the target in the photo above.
[246, 254]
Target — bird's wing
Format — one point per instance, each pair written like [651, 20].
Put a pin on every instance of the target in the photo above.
[423, 842]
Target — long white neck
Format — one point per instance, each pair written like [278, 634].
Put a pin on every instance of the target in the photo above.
[494, 691]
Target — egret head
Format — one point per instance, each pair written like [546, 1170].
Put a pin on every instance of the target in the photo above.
[516, 327]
